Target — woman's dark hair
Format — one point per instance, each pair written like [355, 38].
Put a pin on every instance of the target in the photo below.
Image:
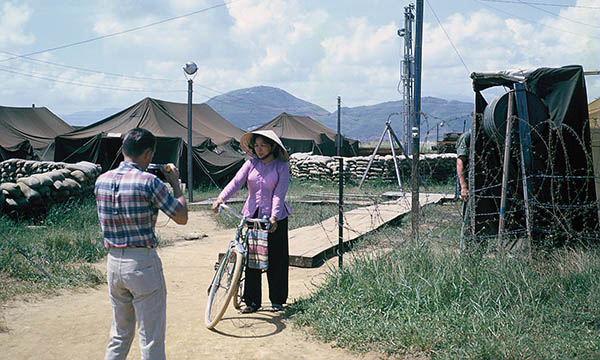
[272, 143]
[137, 141]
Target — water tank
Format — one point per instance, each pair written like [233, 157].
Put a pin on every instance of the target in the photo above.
[494, 115]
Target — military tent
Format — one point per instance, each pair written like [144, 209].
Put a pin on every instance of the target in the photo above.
[216, 152]
[28, 132]
[303, 134]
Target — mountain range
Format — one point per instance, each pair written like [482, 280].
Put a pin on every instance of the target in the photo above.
[252, 107]
[249, 108]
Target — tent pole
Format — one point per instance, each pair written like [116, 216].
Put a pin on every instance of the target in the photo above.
[505, 171]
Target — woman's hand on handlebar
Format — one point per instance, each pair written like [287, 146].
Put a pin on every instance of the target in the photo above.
[273, 222]
[215, 205]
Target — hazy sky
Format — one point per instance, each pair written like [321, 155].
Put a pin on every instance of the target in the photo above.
[314, 49]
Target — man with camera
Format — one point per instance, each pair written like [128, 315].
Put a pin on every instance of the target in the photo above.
[128, 200]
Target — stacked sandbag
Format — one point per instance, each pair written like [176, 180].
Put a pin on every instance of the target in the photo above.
[310, 167]
[438, 167]
[28, 183]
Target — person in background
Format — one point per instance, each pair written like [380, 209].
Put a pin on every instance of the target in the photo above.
[463, 145]
[267, 175]
[462, 163]
[128, 200]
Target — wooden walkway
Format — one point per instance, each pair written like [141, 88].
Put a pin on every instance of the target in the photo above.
[311, 245]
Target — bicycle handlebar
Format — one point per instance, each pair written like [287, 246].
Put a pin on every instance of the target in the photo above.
[264, 220]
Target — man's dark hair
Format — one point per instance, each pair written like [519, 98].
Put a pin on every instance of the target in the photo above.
[271, 142]
[137, 141]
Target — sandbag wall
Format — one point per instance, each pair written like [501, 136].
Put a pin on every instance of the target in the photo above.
[28, 183]
[433, 167]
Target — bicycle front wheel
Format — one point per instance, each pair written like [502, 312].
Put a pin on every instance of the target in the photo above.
[239, 296]
[223, 287]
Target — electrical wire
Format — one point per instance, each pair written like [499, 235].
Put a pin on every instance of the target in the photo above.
[96, 86]
[543, 4]
[536, 22]
[15, 56]
[121, 32]
[448, 37]
[558, 15]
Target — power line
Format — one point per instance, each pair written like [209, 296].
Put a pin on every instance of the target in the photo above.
[77, 83]
[542, 4]
[121, 32]
[448, 37]
[83, 69]
[536, 22]
[558, 15]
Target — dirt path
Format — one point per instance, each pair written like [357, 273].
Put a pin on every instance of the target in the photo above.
[76, 325]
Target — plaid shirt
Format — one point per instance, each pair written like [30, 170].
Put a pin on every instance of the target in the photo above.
[128, 201]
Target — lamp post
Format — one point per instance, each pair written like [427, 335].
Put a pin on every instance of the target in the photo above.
[437, 131]
[190, 69]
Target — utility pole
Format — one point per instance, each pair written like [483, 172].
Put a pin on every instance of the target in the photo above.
[407, 76]
[415, 210]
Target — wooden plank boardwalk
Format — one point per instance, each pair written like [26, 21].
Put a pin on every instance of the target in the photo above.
[310, 245]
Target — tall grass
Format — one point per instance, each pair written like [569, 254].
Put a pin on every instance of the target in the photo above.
[64, 241]
[431, 301]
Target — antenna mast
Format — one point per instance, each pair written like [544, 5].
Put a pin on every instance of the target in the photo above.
[408, 76]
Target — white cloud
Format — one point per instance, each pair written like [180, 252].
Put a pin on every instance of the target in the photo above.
[13, 18]
[366, 44]
[254, 15]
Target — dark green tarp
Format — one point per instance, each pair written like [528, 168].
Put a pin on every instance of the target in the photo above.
[28, 132]
[303, 134]
[216, 152]
[560, 174]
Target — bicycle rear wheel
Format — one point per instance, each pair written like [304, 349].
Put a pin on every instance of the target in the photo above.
[223, 287]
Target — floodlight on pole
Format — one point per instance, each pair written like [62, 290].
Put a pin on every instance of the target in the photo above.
[190, 70]
[437, 130]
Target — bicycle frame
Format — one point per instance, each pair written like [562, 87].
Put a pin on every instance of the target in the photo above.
[231, 276]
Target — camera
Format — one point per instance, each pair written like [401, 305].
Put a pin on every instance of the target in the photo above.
[157, 169]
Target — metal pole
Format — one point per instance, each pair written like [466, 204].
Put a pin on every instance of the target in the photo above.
[189, 144]
[362, 180]
[525, 150]
[339, 131]
[416, 123]
[341, 190]
[505, 170]
[407, 75]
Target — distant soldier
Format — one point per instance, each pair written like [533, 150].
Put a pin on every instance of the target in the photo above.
[462, 165]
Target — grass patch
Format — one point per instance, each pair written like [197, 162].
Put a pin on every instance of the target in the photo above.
[64, 241]
[428, 300]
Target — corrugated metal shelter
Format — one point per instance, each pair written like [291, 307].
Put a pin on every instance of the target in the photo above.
[29, 132]
[303, 134]
[216, 152]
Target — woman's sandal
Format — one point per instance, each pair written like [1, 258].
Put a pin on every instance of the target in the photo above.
[248, 309]
[276, 308]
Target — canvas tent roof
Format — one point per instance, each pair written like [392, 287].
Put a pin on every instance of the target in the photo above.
[28, 132]
[215, 140]
[303, 134]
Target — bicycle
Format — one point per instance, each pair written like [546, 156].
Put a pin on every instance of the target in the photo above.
[227, 280]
